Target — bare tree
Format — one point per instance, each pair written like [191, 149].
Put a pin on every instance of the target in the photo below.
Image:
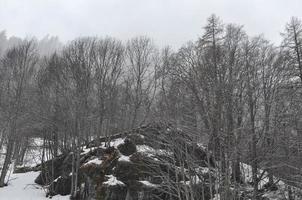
[18, 65]
[108, 60]
[142, 63]
[293, 44]
[77, 60]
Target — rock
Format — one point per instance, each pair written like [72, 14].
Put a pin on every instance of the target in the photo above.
[54, 168]
[127, 148]
[142, 171]
[61, 186]
[136, 138]
[95, 172]
[206, 159]
[112, 192]
[126, 171]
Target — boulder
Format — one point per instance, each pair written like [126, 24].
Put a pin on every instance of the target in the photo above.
[126, 171]
[61, 186]
[52, 169]
[136, 138]
[127, 148]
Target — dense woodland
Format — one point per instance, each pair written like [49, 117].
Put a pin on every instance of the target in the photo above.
[238, 95]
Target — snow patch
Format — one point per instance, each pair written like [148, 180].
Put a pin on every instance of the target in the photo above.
[22, 187]
[124, 158]
[150, 151]
[95, 161]
[148, 184]
[85, 151]
[201, 145]
[203, 170]
[113, 181]
[116, 142]
[56, 180]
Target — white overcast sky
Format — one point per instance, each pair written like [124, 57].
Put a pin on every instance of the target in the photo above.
[167, 22]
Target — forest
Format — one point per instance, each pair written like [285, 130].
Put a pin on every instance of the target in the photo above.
[239, 96]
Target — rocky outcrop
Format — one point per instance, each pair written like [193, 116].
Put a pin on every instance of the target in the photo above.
[151, 162]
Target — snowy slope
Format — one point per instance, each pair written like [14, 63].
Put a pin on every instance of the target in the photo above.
[22, 187]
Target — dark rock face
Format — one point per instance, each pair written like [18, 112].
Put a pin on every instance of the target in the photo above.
[114, 192]
[127, 148]
[56, 174]
[142, 164]
[62, 186]
[52, 169]
[126, 171]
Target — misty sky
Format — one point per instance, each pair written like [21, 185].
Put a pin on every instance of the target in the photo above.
[168, 22]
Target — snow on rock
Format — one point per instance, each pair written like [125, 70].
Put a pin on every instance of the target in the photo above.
[203, 170]
[149, 151]
[113, 181]
[116, 142]
[113, 143]
[124, 158]
[56, 180]
[144, 148]
[22, 187]
[201, 145]
[85, 151]
[95, 161]
[148, 184]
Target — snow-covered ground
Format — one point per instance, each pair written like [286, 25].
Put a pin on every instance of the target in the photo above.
[22, 187]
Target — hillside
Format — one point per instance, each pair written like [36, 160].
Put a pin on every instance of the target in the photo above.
[151, 162]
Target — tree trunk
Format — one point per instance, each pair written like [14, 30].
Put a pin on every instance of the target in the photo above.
[7, 161]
